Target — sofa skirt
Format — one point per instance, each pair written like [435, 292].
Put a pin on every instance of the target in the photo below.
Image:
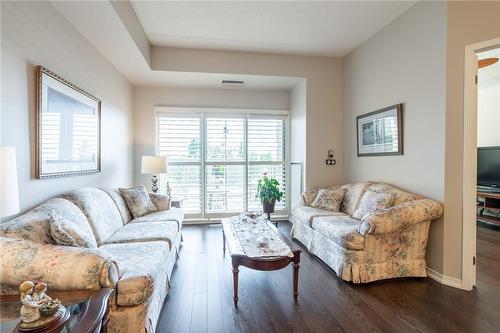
[383, 257]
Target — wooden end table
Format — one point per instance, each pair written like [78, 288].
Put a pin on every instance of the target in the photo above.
[89, 311]
[264, 263]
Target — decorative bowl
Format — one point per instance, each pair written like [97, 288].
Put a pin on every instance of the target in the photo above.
[50, 308]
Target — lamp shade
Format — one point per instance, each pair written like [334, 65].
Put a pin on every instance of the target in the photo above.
[9, 202]
[154, 165]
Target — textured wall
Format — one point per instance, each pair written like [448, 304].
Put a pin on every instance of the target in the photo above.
[403, 63]
[48, 39]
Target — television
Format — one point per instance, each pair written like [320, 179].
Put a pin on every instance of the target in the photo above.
[488, 168]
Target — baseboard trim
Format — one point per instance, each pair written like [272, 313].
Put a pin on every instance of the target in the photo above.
[443, 279]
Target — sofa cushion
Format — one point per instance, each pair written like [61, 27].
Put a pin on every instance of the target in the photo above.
[372, 201]
[307, 197]
[160, 201]
[139, 232]
[340, 229]
[138, 200]
[72, 233]
[352, 197]
[120, 203]
[141, 265]
[329, 199]
[100, 210]
[35, 224]
[173, 214]
[306, 213]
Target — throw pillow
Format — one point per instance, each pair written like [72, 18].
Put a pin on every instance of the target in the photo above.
[69, 233]
[372, 201]
[308, 197]
[160, 201]
[329, 199]
[138, 200]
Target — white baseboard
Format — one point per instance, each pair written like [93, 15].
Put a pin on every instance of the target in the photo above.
[446, 280]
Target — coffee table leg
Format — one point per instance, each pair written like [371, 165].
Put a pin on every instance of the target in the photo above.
[235, 284]
[296, 279]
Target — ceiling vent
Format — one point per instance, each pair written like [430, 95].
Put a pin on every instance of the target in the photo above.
[232, 83]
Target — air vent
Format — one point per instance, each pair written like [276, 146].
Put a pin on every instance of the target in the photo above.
[233, 83]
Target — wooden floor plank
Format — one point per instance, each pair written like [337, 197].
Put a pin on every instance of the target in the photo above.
[201, 296]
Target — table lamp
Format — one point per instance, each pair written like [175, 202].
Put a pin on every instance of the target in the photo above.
[9, 202]
[154, 165]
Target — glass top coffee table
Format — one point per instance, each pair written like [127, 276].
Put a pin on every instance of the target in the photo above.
[88, 311]
[259, 245]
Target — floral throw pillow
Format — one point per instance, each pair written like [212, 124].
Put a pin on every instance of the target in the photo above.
[69, 233]
[329, 199]
[138, 200]
[372, 201]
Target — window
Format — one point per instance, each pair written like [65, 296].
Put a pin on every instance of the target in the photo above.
[216, 159]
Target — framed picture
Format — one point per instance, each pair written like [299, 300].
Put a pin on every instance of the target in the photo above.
[381, 132]
[68, 128]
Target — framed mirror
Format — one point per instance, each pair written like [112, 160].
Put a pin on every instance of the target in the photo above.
[68, 128]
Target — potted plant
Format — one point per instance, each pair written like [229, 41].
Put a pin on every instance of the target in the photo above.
[268, 191]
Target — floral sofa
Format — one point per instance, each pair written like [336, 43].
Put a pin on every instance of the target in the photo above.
[379, 244]
[133, 255]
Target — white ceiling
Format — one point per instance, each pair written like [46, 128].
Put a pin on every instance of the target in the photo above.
[331, 28]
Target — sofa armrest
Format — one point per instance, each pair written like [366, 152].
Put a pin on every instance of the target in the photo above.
[307, 197]
[399, 217]
[161, 201]
[61, 267]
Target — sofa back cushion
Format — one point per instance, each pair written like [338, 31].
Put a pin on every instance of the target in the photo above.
[35, 224]
[400, 196]
[68, 232]
[120, 203]
[100, 210]
[373, 201]
[352, 196]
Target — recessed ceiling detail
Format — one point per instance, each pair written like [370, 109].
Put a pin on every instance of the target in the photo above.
[308, 28]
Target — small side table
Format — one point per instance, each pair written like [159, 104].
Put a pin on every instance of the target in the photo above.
[88, 311]
[176, 202]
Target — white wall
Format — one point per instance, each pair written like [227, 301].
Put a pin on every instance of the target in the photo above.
[35, 33]
[323, 95]
[468, 22]
[403, 63]
[146, 98]
[488, 117]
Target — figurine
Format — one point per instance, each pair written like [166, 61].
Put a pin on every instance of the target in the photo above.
[30, 310]
[39, 295]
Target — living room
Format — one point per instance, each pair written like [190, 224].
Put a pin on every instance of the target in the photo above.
[145, 203]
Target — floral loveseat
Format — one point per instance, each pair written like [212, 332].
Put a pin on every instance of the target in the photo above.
[133, 255]
[379, 244]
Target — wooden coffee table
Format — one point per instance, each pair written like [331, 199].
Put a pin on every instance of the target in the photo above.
[244, 252]
[88, 311]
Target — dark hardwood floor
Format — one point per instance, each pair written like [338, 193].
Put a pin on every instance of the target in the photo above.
[201, 296]
[488, 260]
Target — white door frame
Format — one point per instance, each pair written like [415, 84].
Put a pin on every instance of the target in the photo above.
[469, 162]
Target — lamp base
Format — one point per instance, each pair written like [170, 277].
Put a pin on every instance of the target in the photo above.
[154, 183]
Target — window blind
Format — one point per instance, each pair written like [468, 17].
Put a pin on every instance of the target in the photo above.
[216, 159]
[178, 138]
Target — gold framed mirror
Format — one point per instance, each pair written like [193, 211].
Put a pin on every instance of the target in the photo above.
[68, 128]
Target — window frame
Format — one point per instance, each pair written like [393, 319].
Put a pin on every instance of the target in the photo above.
[238, 113]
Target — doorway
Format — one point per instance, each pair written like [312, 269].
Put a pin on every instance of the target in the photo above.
[481, 188]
